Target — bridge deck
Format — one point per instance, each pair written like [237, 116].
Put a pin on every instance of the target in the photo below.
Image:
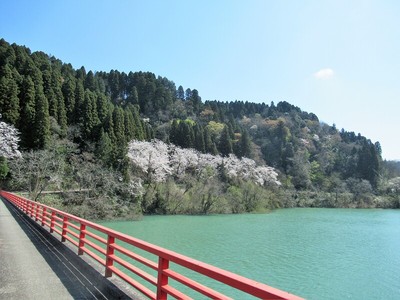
[35, 265]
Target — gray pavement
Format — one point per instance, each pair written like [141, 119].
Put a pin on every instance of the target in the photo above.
[35, 265]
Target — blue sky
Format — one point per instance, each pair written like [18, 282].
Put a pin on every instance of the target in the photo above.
[337, 59]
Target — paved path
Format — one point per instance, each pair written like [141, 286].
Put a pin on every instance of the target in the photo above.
[35, 265]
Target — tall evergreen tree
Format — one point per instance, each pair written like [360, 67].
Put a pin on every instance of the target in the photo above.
[103, 106]
[139, 130]
[129, 125]
[109, 125]
[180, 93]
[196, 101]
[133, 96]
[68, 89]
[245, 146]
[105, 148]
[79, 100]
[27, 116]
[199, 143]
[41, 132]
[61, 111]
[188, 94]
[174, 131]
[89, 82]
[120, 144]
[90, 120]
[62, 118]
[225, 144]
[9, 101]
[49, 93]
[208, 142]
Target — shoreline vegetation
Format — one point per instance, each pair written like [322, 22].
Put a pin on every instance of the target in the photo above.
[136, 144]
[290, 199]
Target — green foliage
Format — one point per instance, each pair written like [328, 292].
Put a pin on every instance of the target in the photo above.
[3, 168]
[27, 98]
[225, 143]
[9, 101]
[102, 111]
[41, 125]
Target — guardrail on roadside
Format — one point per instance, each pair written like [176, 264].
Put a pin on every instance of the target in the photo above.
[110, 249]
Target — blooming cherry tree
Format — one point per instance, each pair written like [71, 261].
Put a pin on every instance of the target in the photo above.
[159, 160]
[182, 160]
[152, 158]
[8, 141]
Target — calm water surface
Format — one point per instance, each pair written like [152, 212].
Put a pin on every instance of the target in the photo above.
[313, 253]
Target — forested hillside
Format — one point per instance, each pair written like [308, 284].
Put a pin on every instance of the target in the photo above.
[75, 126]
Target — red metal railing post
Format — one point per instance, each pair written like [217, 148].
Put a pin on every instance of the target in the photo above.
[113, 243]
[64, 229]
[81, 238]
[36, 211]
[52, 221]
[162, 279]
[43, 215]
[110, 251]
[28, 208]
[20, 204]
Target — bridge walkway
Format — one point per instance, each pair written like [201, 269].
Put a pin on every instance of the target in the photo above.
[35, 265]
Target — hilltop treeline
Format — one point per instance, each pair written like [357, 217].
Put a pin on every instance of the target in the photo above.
[99, 113]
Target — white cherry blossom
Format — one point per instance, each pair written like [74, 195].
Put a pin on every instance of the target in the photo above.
[9, 141]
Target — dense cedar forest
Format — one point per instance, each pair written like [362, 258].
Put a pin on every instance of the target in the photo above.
[78, 130]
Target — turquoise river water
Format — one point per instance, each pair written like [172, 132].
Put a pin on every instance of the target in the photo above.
[313, 253]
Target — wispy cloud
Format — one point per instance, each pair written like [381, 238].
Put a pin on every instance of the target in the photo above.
[324, 74]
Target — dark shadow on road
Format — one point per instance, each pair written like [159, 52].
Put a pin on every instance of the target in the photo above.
[80, 275]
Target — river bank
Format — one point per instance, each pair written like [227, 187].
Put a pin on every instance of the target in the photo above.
[94, 209]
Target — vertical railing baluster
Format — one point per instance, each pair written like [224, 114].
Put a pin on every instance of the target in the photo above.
[162, 279]
[43, 215]
[36, 211]
[110, 251]
[52, 221]
[81, 238]
[64, 229]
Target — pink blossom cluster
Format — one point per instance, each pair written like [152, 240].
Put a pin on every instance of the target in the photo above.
[160, 160]
[9, 141]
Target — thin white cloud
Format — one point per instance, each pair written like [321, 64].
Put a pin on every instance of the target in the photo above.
[324, 74]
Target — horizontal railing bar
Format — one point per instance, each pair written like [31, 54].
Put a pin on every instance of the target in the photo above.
[94, 246]
[73, 225]
[35, 210]
[239, 282]
[57, 231]
[175, 293]
[134, 283]
[70, 239]
[151, 279]
[135, 256]
[73, 233]
[195, 285]
[94, 255]
[95, 236]
[57, 218]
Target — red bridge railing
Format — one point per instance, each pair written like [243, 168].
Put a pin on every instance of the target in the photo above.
[110, 247]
